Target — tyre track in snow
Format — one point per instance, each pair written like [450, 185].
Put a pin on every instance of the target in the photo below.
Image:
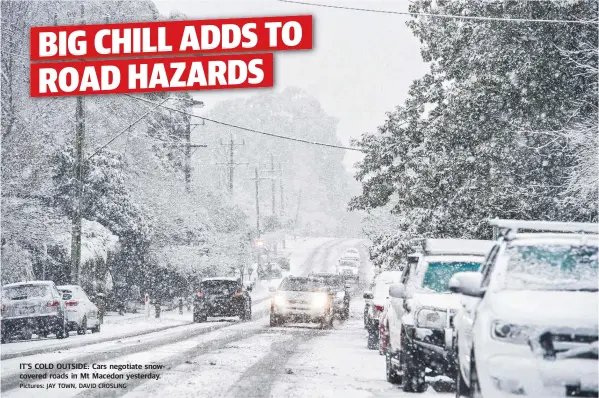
[77, 344]
[12, 380]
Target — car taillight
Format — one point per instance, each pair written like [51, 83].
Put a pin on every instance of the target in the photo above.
[379, 307]
[53, 303]
[71, 303]
[200, 294]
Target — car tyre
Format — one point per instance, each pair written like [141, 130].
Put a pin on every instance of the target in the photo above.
[391, 374]
[475, 391]
[373, 338]
[200, 317]
[413, 369]
[461, 389]
[276, 320]
[247, 311]
[96, 329]
[83, 328]
[63, 331]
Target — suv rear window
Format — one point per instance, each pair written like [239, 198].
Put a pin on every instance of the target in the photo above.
[23, 292]
[219, 287]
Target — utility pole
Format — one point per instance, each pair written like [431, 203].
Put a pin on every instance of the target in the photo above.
[257, 204]
[188, 147]
[231, 163]
[281, 187]
[77, 216]
[272, 170]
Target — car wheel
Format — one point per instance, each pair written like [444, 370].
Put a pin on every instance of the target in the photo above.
[391, 374]
[413, 369]
[275, 320]
[247, 311]
[461, 389]
[474, 383]
[63, 330]
[83, 328]
[373, 338]
[96, 329]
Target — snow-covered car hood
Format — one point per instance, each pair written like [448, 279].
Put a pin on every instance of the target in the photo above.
[546, 308]
[437, 300]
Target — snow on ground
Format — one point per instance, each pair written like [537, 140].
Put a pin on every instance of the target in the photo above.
[239, 359]
[118, 326]
[338, 364]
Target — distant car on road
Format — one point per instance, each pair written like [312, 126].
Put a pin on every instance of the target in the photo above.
[33, 307]
[341, 291]
[222, 296]
[82, 314]
[302, 299]
[349, 267]
[529, 327]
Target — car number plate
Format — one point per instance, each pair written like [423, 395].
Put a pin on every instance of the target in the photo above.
[26, 310]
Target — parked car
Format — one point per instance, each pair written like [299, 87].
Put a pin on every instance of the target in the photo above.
[283, 262]
[222, 296]
[82, 314]
[375, 304]
[33, 307]
[302, 299]
[532, 330]
[341, 290]
[419, 327]
[349, 268]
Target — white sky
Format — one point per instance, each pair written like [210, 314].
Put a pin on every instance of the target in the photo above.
[361, 66]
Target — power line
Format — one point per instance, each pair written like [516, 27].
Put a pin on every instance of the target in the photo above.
[247, 128]
[448, 16]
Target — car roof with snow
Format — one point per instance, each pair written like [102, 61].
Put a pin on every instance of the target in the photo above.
[554, 238]
[49, 283]
[437, 247]
[221, 278]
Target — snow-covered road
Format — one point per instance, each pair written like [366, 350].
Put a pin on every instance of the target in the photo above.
[225, 358]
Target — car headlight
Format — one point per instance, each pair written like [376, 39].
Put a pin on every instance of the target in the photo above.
[279, 301]
[320, 300]
[431, 319]
[511, 333]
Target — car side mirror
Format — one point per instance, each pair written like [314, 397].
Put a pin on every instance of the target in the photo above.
[467, 283]
[398, 291]
[368, 295]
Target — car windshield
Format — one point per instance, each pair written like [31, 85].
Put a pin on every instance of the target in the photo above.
[348, 263]
[331, 281]
[552, 267]
[438, 274]
[301, 285]
[219, 287]
[23, 292]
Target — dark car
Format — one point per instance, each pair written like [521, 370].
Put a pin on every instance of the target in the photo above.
[339, 288]
[222, 296]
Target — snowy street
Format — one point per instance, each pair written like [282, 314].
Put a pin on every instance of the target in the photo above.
[222, 358]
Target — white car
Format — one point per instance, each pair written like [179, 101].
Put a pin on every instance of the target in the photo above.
[375, 304]
[419, 327]
[533, 330]
[349, 268]
[82, 314]
[352, 253]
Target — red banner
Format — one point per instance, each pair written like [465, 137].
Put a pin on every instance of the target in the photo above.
[265, 34]
[151, 75]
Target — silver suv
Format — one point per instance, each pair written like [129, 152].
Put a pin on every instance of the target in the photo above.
[34, 307]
